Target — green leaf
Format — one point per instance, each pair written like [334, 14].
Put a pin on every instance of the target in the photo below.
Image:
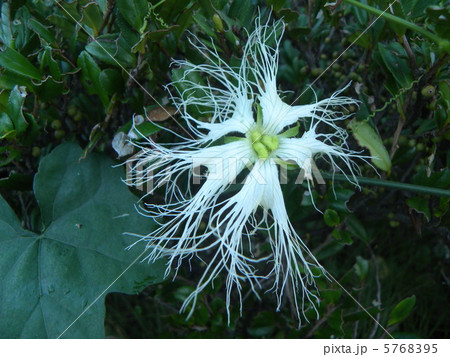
[46, 60]
[357, 228]
[231, 139]
[369, 138]
[362, 314]
[49, 89]
[185, 19]
[5, 25]
[302, 28]
[112, 49]
[331, 217]
[361, 15]
[92, 17]
[242, 11]
[288, 15]
[440, 16]
[147, 128]
[420, 205]
[204, 24]
[338, 198]
[6, 125]
[158, 35]
[66, 27]
[70, 11]
[16, 181]
[173, 8]
[15, 105]
[134, 12]
[262, 325]
[402, 310]
[111, 81]
[437, 179]
[43, 32]
[331, 296]
[361, 38]
[361, 267]
[395, 58]
[15, 62]
[90, 76]
[342, 236]
[48, 279]
[397, 9]
[276, 4]
[8, 154]
[291, 132]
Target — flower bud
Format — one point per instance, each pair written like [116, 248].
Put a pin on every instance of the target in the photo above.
[218, 24]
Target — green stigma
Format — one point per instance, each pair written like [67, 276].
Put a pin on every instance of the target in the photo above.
[262, 144]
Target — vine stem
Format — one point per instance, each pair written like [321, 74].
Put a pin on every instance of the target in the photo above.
[391, 184]
[409, 25]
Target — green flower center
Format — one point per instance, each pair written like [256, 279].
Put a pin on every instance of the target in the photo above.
[262, 144]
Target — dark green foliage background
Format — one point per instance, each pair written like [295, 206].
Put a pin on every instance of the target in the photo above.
[388, 247]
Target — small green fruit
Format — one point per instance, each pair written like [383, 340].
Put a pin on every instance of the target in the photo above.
[59, 134]
[72, 110]
[36, 151]
[78, 116]
[56, 124]
[428, 91]
[316, 72]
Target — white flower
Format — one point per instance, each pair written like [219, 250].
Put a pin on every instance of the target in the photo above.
[218, 225]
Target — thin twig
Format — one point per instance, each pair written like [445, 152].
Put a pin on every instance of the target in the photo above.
[321, 321]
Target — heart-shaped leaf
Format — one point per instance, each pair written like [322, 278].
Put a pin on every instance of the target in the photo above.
[48, 280]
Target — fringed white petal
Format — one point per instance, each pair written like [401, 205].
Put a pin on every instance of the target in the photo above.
[311, 145]
[278, 115]
[226, 99]
[180, 236]
[264, 66]
[233, 225]
[291, 266]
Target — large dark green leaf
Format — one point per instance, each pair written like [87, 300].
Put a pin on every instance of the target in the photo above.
[92, 17]
[394, 57]
[47, 280]
[90, 76]
[15, 62]
[43, 32]
[134, 12]
[112, 49]
[276, 5]
[242, 11]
